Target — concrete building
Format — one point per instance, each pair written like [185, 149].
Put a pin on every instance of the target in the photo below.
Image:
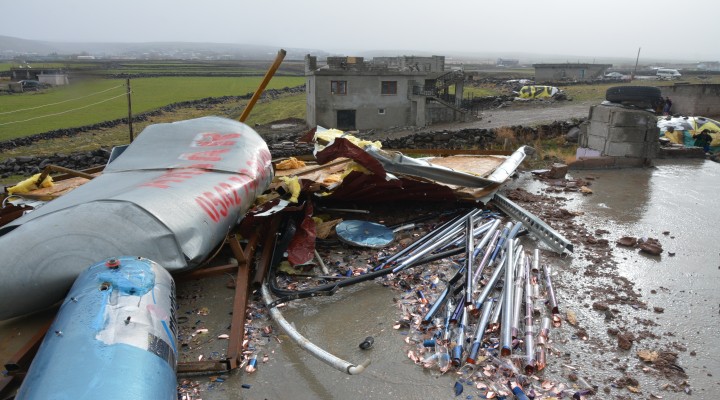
[552, 73]
[701, 100]
[51, 76]
[350, 93]
[709, 65]
[53, 79]
[501, 62]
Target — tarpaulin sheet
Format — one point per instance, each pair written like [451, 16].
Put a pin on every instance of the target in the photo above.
[171, 196]
[538, 92]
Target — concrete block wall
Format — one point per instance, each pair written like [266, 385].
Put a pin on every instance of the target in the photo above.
[621, 132]
[694, 100]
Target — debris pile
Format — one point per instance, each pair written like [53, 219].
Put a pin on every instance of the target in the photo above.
[455, 321]
[453, 309]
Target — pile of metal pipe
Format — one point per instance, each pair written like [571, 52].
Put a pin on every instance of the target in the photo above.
[473, 317]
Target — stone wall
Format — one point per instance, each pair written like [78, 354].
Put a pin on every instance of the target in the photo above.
[284, 144]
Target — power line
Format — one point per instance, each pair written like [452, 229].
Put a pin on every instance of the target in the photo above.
[60, 102]
[62, 112]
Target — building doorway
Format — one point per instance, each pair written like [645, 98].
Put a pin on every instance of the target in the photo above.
[346, 120]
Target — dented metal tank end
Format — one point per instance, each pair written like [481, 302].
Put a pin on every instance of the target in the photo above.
[115, 337]
[171, 196]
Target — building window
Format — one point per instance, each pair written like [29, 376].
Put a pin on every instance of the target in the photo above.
[338, 87]
[381, 111]
[388, 87]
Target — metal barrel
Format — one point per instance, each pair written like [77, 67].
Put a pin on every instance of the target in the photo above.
[114, 337]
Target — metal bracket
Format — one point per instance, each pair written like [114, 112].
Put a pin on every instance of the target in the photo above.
[532, 223]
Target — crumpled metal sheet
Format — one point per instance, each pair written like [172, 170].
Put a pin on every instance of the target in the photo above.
[171, 197]
[411, 177]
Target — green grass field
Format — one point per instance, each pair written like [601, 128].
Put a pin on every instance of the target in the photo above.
[89, 102]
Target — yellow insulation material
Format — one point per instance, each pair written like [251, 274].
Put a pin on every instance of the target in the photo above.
[28, 185]
[293, 186]
[329, 135]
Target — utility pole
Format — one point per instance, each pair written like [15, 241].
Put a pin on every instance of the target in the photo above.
[127, 83]
[636, 64]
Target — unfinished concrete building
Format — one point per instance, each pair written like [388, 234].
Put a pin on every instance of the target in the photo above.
[552, 73]
[349, 93]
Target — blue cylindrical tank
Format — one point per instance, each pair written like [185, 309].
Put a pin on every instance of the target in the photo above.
[114, 337]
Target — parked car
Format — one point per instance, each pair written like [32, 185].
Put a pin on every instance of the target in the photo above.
[30, 84]
[614, 75]
[665, 73]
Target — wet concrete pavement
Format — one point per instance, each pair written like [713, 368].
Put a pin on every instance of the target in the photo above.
[680, 291]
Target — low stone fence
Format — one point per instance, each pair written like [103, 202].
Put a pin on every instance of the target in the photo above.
[286, 145]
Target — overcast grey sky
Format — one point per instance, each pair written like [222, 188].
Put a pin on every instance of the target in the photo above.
[665, 29]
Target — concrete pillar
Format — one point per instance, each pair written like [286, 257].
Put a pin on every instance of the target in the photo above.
[459, 87]
[419, 102]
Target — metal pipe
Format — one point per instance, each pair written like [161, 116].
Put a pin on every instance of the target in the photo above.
[486, 257]
[530, 361]
[322, 264]
[490, 232]
[435, 307]
[460, 341]
[457, 314]
[495, 317]
[490, 284]
[501, 241]
[506, 325]
[469, 250]
[448, 316]
[303, 342]
[552, 300]
[534, 277]
[425, 239]
[543, 335]
[477, 232]
[432, 246]
[442, 298]
[517, 300]
[480, 331]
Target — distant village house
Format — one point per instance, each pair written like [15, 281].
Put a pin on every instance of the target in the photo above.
[349, 93]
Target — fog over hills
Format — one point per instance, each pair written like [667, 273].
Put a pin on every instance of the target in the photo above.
[12, 47]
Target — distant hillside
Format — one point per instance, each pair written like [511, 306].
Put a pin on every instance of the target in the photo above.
[16, 46]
